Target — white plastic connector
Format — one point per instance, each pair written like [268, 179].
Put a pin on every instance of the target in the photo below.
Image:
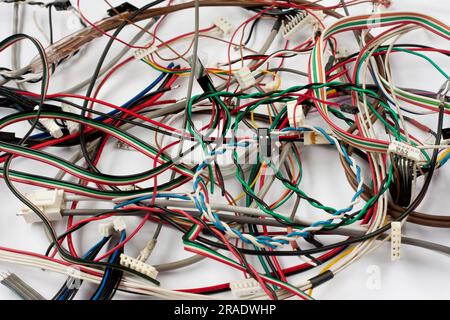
[106, 229]
[295, 114]
[138, 266]
[143, 52]
[49, 202]
[341, 53]
[292, 25]
[119, 224]
[311, 138]
[128, 187]
[72, 126]
[405, 150]
[123, 146]
[51, 126]
[224, 25]
[246, 287]
[271, 86]
[245, 78]
[396, 240]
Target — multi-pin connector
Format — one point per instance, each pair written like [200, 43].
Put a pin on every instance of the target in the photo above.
[293, 24]
[246, 287]
[143, 52]
[224, 25]
[405, 150]
[245, 78]
[72, 126]
[396, 240]
[49, 202]
[296, 116]
[312, 137]
[51, 126]
[138, 266]
[119, 224]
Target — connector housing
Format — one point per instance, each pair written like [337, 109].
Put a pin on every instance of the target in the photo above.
[138, 266]
[122, 8]
[128, 187]
[106, 229]
[341, 53]
[396, 240]
[49, 202]
[142, 53]
[62, 5]
[51, 126]
[292, 25]
[296, 116]
[246, 287]
[405, 150]
[270, 86]
[245, 78]
[119, 224]
[311, 138]
[72, 126]
[224, 25]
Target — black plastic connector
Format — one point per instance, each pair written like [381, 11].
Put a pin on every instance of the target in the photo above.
[9, 137]
[348, 108]
[264, 143]
[124, 7]
[446, 133]
[61, 5]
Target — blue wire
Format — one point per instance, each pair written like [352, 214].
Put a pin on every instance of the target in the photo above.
[159, 195]
[111, 259]
[126, 105]
[85, 256]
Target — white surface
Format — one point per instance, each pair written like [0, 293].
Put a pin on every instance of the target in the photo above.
[419, 273]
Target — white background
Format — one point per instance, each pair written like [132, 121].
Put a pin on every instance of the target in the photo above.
[419, 273]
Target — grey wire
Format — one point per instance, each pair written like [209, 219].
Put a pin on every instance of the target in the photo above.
[182, 104]
[18, 286]
[426, 245]
[344, 6]
[16, 48]
[189, 91]
[268, 222]
[191, 75]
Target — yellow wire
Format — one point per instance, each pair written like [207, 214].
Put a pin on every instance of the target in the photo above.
[242, 194]
[332, 263]
[442, 156]
[252, 120]
[186, 73]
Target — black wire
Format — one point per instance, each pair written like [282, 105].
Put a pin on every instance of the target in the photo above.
[71, 292]
[90, 89]
[50, 22]
[252, 30]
